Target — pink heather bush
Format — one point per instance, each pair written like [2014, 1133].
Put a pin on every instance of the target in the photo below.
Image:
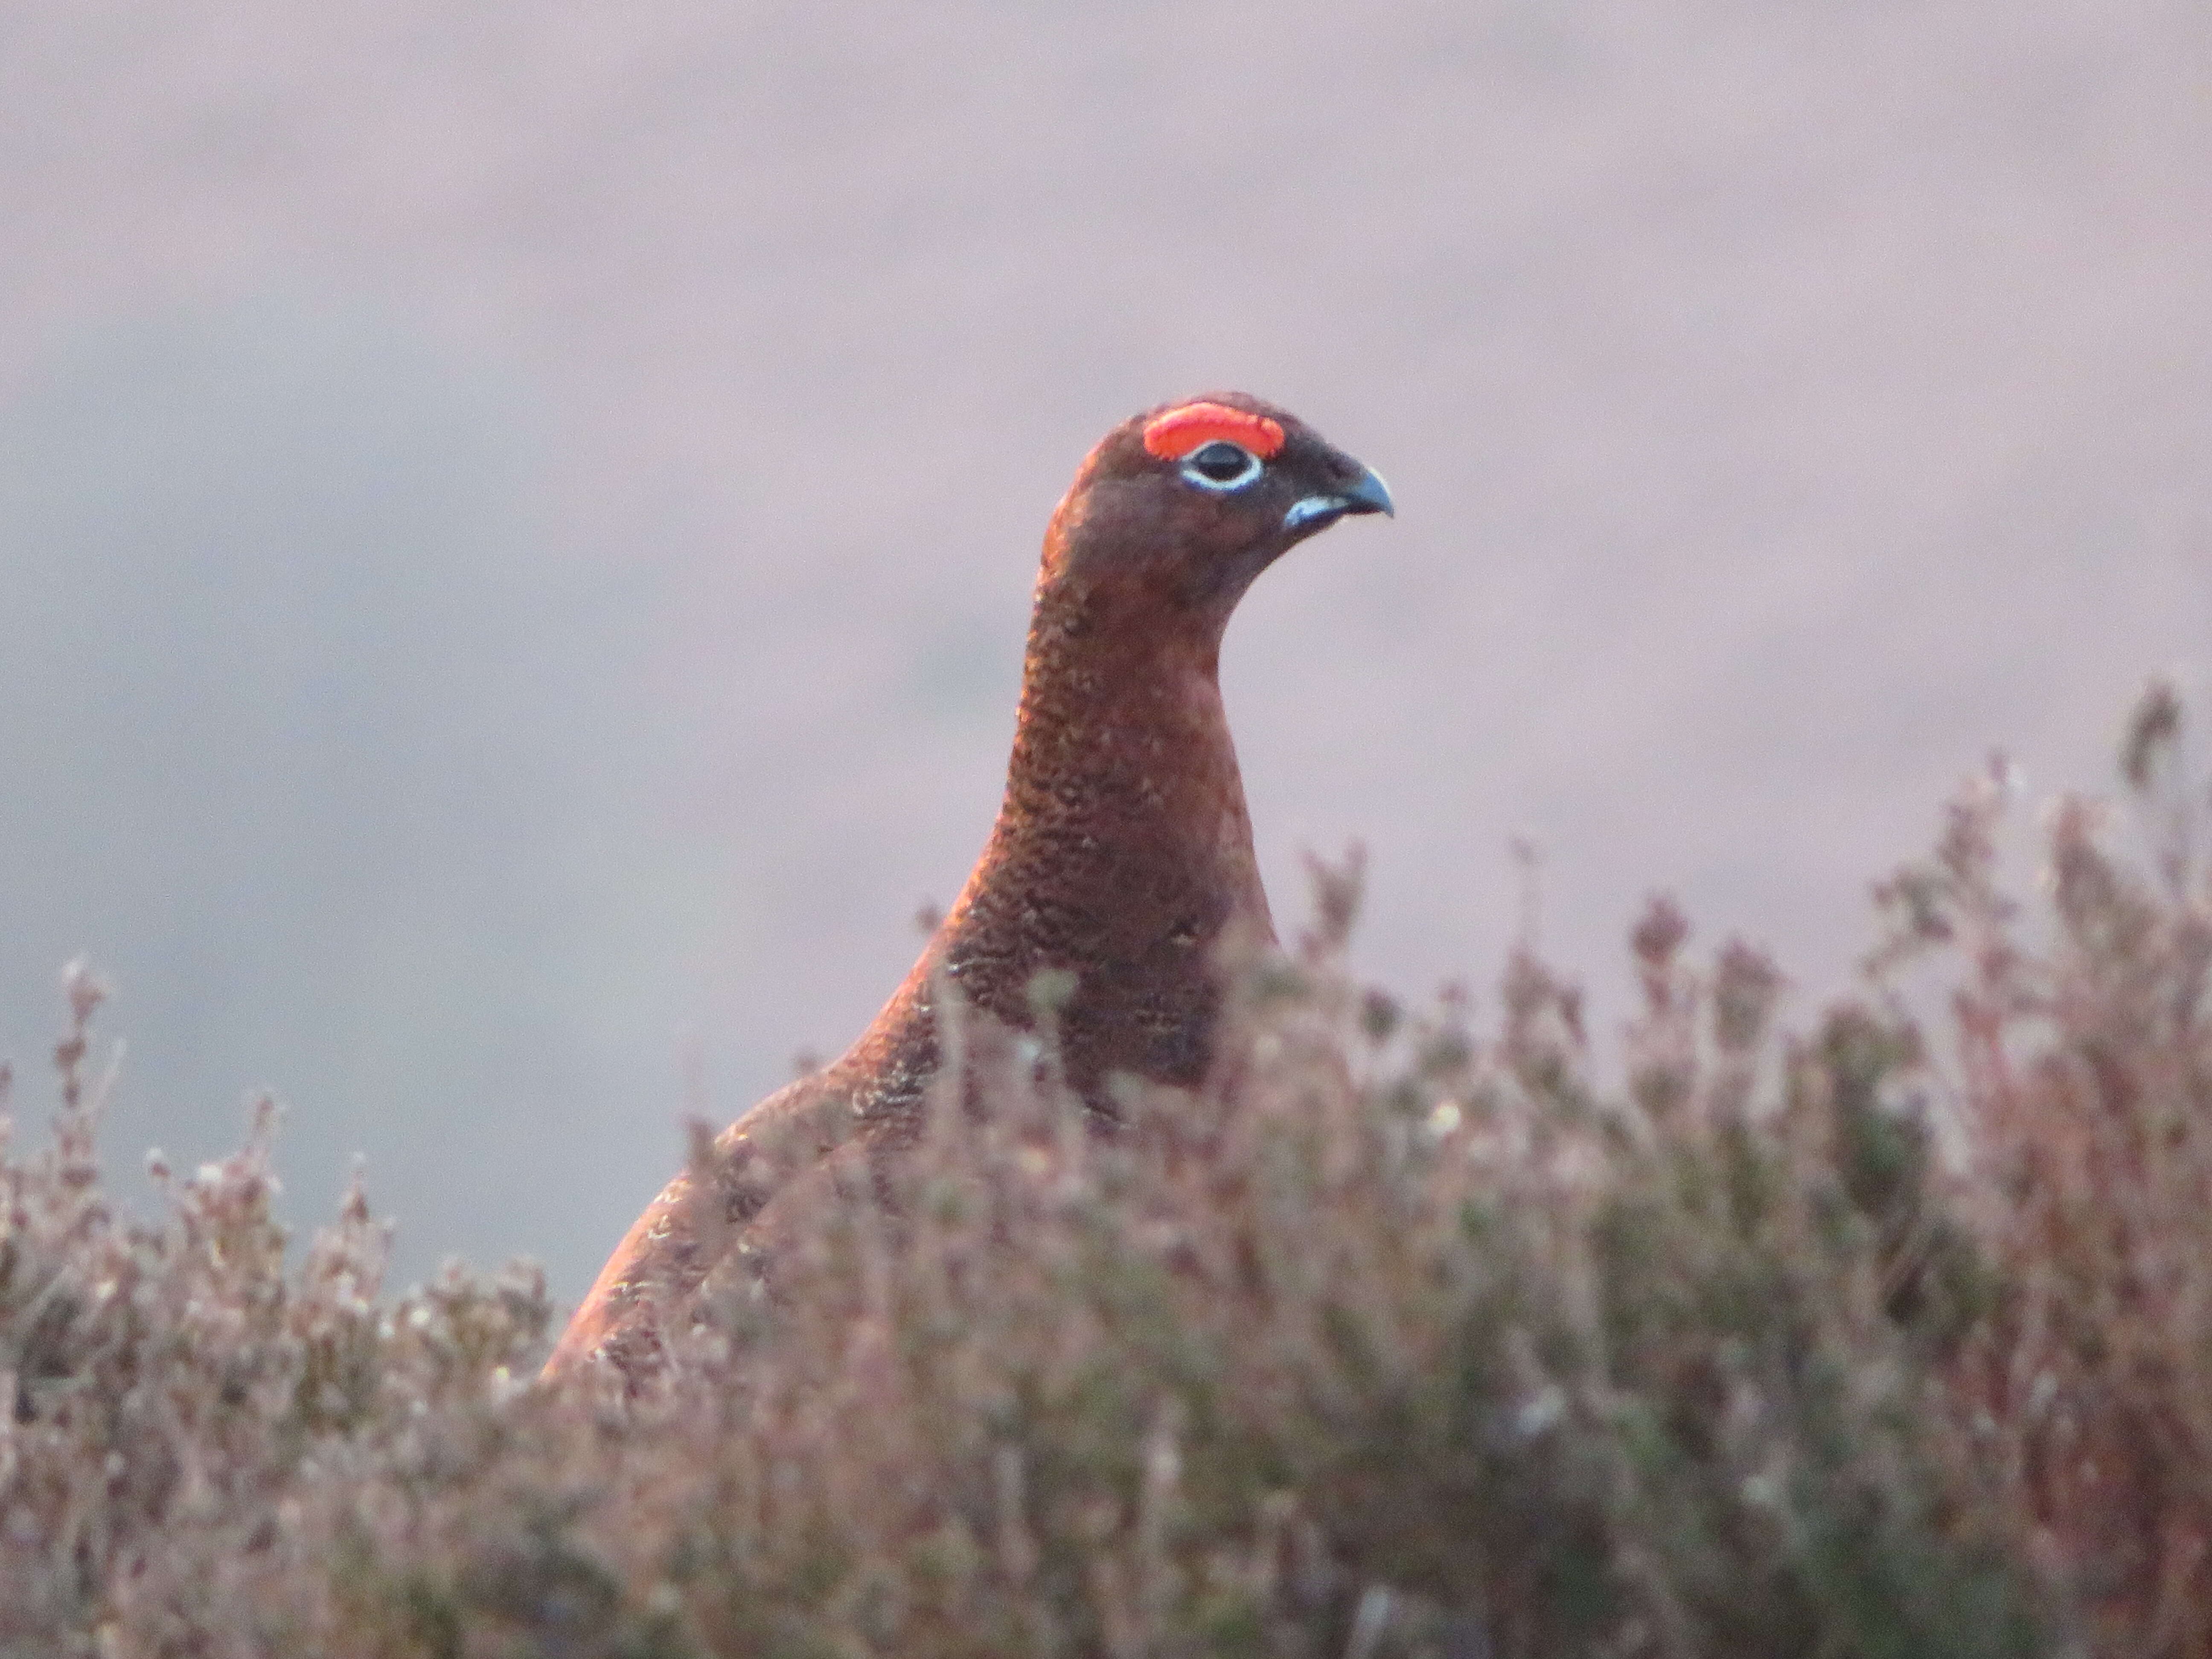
[1400, 1337]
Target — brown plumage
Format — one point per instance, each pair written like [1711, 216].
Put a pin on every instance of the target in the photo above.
[1122, 851]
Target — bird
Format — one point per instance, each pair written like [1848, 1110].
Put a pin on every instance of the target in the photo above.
[1121, 853]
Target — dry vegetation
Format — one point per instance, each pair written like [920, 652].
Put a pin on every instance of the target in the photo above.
[1403, 1337]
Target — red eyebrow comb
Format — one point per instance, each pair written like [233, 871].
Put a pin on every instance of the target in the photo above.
[1173, 435]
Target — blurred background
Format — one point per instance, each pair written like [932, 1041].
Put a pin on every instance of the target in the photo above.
[516, 520]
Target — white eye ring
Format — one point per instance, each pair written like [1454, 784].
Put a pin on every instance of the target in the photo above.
[1220, 453]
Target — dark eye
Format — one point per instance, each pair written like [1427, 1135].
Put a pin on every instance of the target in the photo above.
[1221, 466]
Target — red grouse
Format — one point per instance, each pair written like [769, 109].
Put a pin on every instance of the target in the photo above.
[1122, 851]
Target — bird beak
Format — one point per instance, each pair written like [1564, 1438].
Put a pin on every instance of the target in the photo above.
[1369, 494]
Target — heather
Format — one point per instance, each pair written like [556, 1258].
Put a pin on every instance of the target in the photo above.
[1884, 1333]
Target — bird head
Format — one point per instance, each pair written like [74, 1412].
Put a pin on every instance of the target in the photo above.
[1186, 503]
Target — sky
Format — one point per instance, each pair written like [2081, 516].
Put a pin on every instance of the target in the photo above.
[516, 521]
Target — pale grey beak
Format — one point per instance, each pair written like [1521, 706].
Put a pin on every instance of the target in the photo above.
[1368, 494]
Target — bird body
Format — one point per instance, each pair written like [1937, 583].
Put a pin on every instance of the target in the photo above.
[1122, 850]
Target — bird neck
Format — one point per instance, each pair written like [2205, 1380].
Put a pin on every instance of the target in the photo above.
[1122, 850]
[1121, 728]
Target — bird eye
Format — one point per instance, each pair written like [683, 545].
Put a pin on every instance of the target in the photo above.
[1221, 466]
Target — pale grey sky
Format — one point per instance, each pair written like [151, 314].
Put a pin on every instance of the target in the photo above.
[516, 520]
